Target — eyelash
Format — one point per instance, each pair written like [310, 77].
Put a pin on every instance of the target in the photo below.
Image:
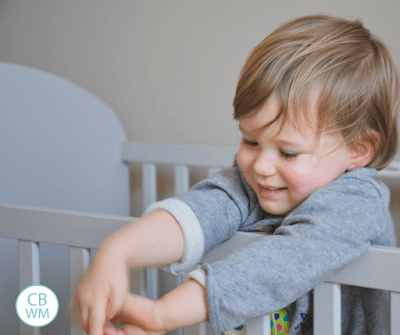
[289, 155]
[249, 143]
[285, 154]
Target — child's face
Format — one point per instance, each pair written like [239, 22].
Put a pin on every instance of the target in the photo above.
[284, 169]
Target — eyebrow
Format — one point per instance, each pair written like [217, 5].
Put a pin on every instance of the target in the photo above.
[289, 143]
[248, 131]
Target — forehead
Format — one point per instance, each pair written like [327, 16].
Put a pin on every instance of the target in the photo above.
[299, 121]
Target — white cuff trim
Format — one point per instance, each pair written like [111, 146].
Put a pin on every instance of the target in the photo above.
[199, 275]
[194, 237]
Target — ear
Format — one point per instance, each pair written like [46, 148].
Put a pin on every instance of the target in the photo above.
[363, 150]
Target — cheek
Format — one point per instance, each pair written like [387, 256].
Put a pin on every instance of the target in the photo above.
[308, 177]
[244, 159]
[301, 181]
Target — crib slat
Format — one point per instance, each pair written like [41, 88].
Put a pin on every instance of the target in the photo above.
[212, 170]
[152, 283]
[181, 186]
[181, 177]
[259, 326]
[29, 274]
[29, 264]
[149, 175]
[78, 261]
[394, 313]
[198, 329]
[327, 309]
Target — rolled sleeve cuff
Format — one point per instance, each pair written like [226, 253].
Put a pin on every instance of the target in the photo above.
[192, 231]
[200, 276]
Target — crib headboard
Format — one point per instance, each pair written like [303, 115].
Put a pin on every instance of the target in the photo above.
[59, 148]
[59, 145]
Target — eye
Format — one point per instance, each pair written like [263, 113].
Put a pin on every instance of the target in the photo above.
[250, 143]
[289, 155]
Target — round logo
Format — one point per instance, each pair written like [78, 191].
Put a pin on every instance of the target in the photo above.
[37, 305]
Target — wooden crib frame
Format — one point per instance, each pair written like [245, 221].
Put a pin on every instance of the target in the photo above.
[378, 268]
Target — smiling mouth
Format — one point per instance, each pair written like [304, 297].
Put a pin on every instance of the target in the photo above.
[270, 188]
[271, 192]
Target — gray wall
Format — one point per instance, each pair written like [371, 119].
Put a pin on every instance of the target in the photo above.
[168, 67]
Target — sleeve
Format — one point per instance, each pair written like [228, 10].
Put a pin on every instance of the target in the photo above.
[330, 229]
[209, 213]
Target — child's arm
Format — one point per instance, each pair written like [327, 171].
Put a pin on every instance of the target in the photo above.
[184, 306]
[153, 240]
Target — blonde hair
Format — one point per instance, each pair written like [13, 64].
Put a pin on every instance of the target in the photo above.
[353, 70]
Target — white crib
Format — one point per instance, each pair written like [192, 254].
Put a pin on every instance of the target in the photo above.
[81, 231]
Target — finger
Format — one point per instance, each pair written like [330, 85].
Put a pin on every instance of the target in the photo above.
[112, 331]
[132, 330]
[84, 319]
[96, 320]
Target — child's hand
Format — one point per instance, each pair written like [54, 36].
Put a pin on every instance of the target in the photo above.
[184, 306]
[101, 292]
[139, 315]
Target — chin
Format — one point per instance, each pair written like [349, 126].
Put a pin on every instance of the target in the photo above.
[273, 211]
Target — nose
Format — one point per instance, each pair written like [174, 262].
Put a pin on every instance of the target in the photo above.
[264, 164]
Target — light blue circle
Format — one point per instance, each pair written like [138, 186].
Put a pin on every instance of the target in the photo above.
[16, 303]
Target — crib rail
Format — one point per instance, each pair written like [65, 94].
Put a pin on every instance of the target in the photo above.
[189, 155]
[70, 228]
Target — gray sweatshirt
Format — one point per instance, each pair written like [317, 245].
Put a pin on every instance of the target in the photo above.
[331, 228]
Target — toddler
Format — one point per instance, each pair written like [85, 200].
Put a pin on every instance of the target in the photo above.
[316, 104]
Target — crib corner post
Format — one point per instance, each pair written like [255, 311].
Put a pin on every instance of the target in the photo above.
[327, 309]
[394, 313]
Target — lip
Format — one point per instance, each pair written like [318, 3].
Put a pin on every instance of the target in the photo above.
[265, 191]
[268, 186]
